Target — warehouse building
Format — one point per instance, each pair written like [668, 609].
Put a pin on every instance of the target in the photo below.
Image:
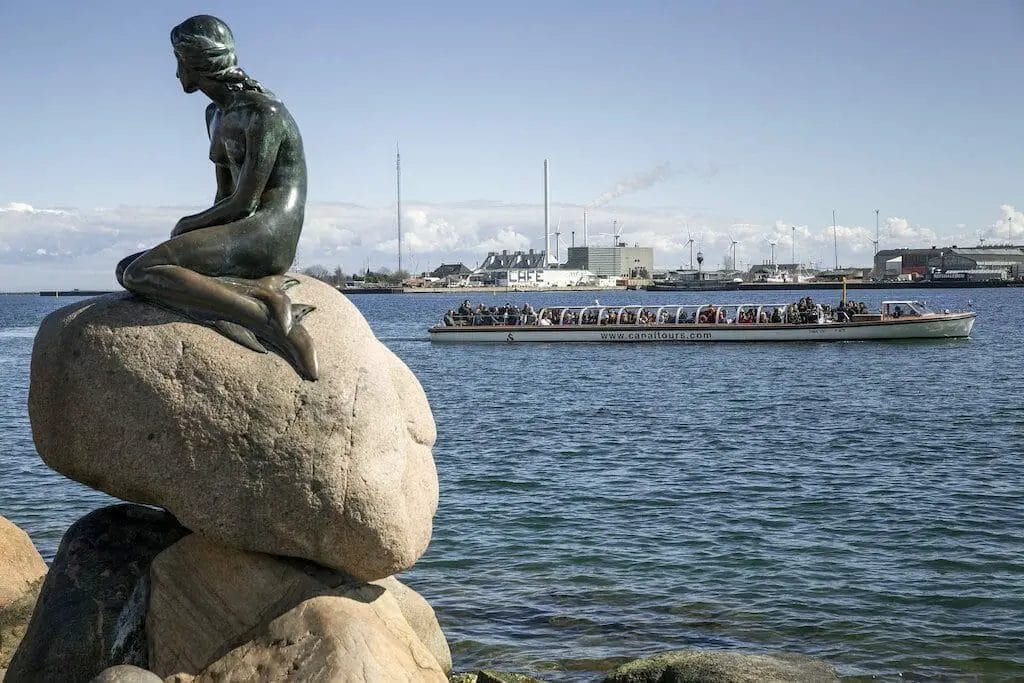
[995, 262]
[620, 261]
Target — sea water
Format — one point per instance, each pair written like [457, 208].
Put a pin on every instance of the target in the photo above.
[862, 502]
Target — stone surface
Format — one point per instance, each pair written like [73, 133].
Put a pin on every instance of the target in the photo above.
[361, 637]
[207, 599]
[147, 406]
[421, 618]
[704, 666]
[126, 673]
[21, 576]
[90, 613]
[492, 676]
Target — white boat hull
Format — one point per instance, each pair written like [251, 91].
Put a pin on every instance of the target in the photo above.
[929, 327]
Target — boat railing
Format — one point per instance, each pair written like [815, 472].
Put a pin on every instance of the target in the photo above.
[676, 314]
[665, 314]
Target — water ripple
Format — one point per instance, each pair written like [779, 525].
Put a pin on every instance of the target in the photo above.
[859, 502]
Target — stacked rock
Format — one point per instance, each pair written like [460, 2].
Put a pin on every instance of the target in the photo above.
[21, 575]
[286, 505]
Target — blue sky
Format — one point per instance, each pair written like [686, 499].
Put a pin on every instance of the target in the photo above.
[770, 114]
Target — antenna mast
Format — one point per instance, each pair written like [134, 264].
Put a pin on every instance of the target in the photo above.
[547, 228]
[835, 239]
[398, 194]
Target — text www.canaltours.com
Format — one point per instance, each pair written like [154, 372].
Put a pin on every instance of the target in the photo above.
[655, 336]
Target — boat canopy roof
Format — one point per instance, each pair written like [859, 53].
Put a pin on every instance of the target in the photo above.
[663, 312]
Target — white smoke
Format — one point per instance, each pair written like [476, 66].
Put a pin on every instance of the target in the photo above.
[635, 183]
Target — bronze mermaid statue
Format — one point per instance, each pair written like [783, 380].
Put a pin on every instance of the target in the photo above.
[225, 266]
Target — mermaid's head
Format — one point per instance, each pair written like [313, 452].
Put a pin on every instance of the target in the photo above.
[205, 49]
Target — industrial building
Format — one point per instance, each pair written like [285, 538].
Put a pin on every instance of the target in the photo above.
[620, 261]
[968, 263]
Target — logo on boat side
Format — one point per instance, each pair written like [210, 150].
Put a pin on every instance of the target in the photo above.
[509, 337]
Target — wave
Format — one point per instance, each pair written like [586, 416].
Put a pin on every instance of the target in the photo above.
[18, 332]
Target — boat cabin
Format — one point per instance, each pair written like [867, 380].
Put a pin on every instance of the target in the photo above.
[903, 309]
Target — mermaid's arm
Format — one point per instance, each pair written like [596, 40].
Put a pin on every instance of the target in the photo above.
[262, 140]
[225, 184]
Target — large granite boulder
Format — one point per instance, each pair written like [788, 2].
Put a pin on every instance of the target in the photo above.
[208, 599]
[21, 576]
[150, 407]
[357, 638]
[91, 611]
[126, 673]
[706, 666]
[420, 615]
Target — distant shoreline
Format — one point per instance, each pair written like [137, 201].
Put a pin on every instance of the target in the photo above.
[746, 286]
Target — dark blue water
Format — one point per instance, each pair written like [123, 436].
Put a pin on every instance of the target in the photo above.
[861, 502]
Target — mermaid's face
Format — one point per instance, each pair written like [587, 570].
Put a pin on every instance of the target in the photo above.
[188, 77]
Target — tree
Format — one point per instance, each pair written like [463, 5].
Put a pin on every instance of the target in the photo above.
[317, 271]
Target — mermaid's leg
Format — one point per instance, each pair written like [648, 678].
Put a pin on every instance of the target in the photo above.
[269, 291]
[123, 265]
[178, 273]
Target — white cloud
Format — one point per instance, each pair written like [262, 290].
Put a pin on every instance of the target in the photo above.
[19, 207]
[902, 229]
[1009, 227]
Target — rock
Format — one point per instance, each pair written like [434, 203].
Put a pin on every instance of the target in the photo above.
[421, 618]
[147, 406]
[126, 673]
[703, 666]
[91, 611]
[361, 637]
[21, 576]
[492, 676]
[208, 599]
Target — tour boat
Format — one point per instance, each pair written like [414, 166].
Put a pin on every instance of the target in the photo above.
[695, 323]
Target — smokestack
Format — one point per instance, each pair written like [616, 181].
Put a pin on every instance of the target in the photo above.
[547, 225]
[585, 227]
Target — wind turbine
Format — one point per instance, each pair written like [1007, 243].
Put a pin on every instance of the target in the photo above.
[689, 240]
[558, 228]
[734, 243]
[772, 244]
[875, 241]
